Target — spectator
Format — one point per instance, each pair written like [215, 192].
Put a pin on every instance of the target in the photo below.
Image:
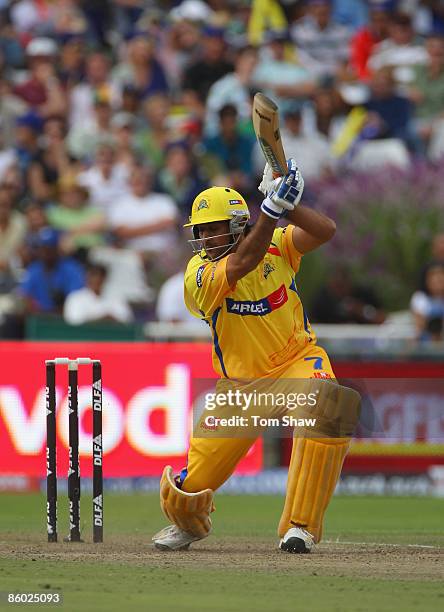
[12, 231]
[141, 68]
[437, 256]
[390, 114]
[106, 180]
[123, 127]
[400, 51]
[312, 152]
[82, 225]
[179, 177]
[36, 220]
[90, 304]
[427, 305]
[233, 88]
[326, 116]
[50, 162]
[152, 138]
[365, 40]
[211, 66]
[231, 149]
[51, 277]
[42, 91]
[341, 301]
[83, 138]
[427, 90]
[144, 220]
[83, 96]
[322, 44]
[170, 306]
[26, 147]
[72, 62]
[279, 77]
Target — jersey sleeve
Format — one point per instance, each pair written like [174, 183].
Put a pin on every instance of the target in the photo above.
[283, 241]
[206, 285]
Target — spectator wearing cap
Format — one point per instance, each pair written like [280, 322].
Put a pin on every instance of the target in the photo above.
[370, 35]
[233, 88]
[277, 76]
[141, 69]
[322, 44]
[106, 180]
[51, 277]
[83, 138]
[231, 149]
[91, 303]
[211, 65]
[400, 51]
[42, 91]
[179, 177]
[82, 225]
[50, 162]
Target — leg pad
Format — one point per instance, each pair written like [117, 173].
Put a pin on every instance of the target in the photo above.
[189, 511]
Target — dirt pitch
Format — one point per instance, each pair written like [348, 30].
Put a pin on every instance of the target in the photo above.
[416, 562]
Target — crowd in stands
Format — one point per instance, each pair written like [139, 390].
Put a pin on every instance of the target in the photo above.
[114, 115]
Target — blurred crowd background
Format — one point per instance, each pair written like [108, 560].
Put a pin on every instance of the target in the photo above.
[115, 114]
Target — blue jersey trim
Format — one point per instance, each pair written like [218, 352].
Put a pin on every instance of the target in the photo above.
[216, 341]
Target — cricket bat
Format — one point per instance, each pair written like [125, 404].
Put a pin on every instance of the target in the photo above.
[266, 127]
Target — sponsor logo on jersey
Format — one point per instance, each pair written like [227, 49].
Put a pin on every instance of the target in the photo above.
[268, 268]
[213, 272]
[199, 275]
[202, 204]
[258, 308]
[321, 375]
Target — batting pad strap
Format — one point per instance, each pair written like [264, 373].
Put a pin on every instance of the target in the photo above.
[189, 511]
[272, 210]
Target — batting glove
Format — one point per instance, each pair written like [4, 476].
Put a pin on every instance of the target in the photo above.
[283, 193]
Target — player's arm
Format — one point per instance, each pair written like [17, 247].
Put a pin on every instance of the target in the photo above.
[251, 250]
[283, 195]
[312, 228]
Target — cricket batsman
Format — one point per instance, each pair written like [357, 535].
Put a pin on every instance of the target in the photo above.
[241, 280]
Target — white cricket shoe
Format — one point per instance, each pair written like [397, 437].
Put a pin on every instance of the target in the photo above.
[297, 540]
[173, 538]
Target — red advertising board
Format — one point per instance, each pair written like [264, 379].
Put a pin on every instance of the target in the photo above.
[146, 400]
[147, 410]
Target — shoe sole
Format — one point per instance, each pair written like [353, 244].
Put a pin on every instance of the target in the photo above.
[294, 546]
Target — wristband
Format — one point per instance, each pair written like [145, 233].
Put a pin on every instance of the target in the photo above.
[272, 210]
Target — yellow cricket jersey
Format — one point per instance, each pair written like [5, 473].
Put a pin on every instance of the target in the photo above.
[259, 325]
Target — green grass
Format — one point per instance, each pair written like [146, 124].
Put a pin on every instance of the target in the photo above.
[220, 576]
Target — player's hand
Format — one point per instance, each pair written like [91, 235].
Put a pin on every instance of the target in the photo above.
[283, 193]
